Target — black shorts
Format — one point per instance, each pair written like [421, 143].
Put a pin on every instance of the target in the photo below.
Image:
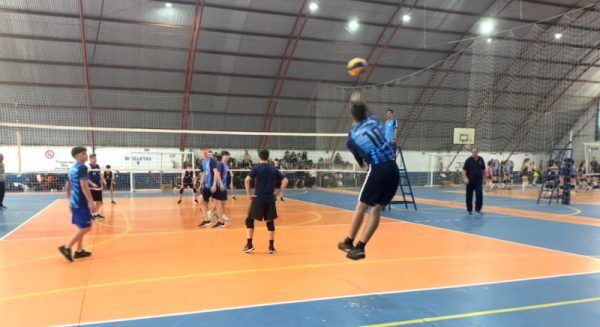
[220, 195]
[188, 185]
[206, 194]
[262, 210]
[381, 184]
[96, 195]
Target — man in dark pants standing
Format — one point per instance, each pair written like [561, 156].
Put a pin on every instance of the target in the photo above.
[473, 175]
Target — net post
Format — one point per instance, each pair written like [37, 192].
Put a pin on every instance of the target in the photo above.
[18, 137]
[131, 182]
[431, 168]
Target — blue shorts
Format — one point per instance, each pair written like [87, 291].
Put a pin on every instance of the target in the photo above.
[81, 217]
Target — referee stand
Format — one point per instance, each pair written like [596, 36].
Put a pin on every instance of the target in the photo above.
[551, 177]
[404, 185]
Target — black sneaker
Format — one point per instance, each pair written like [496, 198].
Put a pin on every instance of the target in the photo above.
[272, 250]
[2, 206]
[196, 201]
[345, 246]
[178, 202]
[113, 202]
[100, 216]
[205, 223]
[81, 254]
[66, 253]
[248, 248]
[219, 224]
[356, 254]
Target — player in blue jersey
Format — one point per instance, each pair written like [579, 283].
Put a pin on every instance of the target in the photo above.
[96, 183]
[391, 129]
[367, 143]
[220, 196]
[210, 180]
[81, 204]
[262, 205]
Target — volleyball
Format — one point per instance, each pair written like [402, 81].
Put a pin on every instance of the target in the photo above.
[356, 66]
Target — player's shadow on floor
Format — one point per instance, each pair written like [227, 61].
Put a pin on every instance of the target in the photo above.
[470, 223]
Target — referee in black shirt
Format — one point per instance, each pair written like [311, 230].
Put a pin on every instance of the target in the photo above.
[473, 175]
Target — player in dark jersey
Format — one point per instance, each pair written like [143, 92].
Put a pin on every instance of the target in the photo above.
[367, 143]
[188, 180]
[262, 206]
[81, 204]
[109, 182]
[226, 176]
[96, 184]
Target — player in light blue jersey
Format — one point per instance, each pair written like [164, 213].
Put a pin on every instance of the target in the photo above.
[391, 129]
[367, 143]
[210, 181]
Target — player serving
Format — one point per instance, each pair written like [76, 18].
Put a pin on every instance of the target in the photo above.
[367, 143]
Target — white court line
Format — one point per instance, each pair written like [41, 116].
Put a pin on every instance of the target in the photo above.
[197, 230]
[465, 233]
[28, 220]
[331, 298]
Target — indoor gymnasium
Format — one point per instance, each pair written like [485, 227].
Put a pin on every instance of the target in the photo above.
[299, 163]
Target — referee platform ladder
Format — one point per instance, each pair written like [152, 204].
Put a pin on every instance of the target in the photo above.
[550, 187]
[404, 185]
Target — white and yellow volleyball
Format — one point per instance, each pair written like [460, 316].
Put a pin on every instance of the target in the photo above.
[356, 66]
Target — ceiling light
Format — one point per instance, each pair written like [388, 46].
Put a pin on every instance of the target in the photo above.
[488, 40]
[353, 25]
[486, 27]
[168, 5]
[558, 36]
[313, 6]
[406, 18]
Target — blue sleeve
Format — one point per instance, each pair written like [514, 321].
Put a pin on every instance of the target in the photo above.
[82, 172]
[212, 163]
[252, 172]
[356, 152]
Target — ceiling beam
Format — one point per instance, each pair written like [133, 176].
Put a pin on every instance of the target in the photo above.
[414, 7]
[284, 65]
[265, 56]
[372, 60]
[235, 95]
[267, 77]
[405, 132]
[189, 75]
[86, 77]
[249, 33]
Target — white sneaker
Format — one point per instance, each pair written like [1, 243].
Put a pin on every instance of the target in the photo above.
[226, 218]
